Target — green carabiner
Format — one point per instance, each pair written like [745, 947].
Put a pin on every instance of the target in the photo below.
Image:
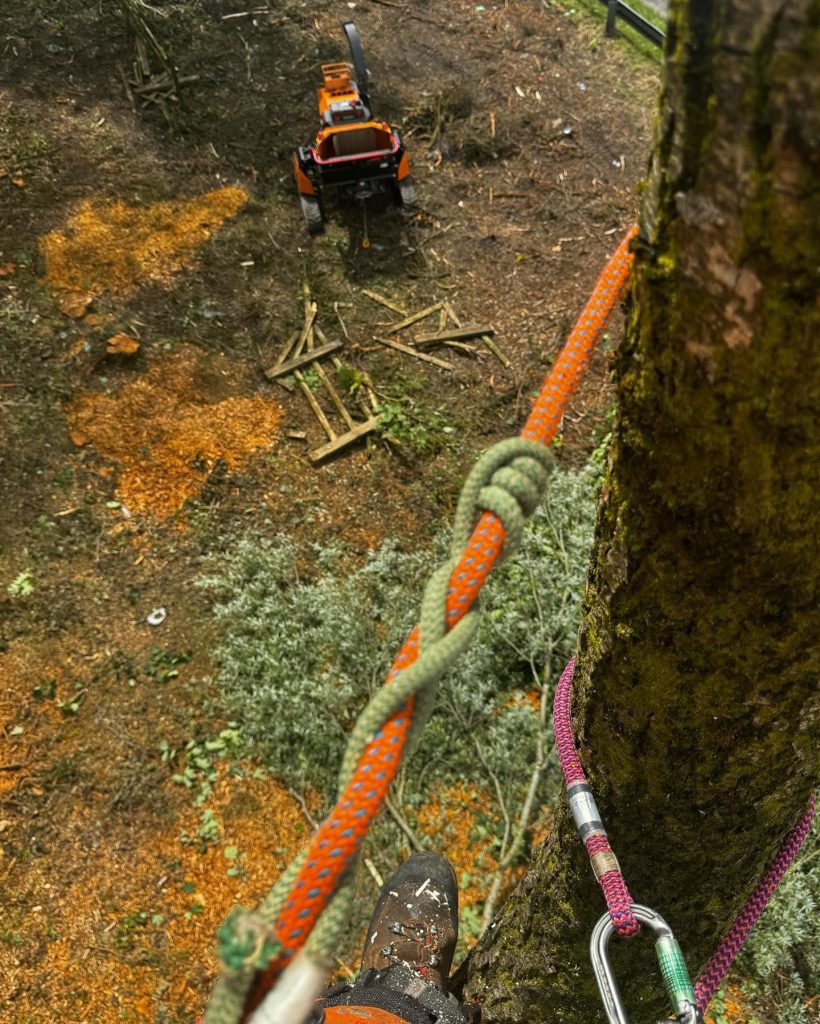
[670, 959]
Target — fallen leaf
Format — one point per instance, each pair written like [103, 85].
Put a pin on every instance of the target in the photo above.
[19, 181]
[78, 438]
[6, 269]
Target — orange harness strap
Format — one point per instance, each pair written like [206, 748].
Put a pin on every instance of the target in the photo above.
[360, 1014]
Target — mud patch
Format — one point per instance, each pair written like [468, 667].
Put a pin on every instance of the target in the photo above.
[166, 436]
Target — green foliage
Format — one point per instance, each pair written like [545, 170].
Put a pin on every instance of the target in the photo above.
[348, 379]
[22, 585]
[420, 431]
[162, 665]
[780, 963]
[301, 652]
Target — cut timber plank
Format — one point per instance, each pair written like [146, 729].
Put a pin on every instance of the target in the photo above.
[283, 369]
[457, 334]
[412, 352]
[384, 302]
[344, 440]
[416, 317]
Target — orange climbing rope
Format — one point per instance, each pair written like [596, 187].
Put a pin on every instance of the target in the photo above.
[337, 841]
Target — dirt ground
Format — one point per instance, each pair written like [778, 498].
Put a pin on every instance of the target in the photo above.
[152, 264]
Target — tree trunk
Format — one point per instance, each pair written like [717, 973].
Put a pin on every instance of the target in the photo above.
[696, 689]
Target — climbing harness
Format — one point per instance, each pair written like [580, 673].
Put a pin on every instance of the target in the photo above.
[625, 917]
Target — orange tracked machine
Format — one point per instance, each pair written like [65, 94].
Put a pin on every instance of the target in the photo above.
[352, 153]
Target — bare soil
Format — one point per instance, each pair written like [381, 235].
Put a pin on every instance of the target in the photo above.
[127, 464]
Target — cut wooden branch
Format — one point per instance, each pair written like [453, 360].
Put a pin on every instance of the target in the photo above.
[333, 394]
[317, 409]
[496, 351]
[371, 391]
[452, 314]
[416, 317]
[360, 430]
[397, 345]
[384, 302]
[341, 322]
[127, 87]
[456, 334]
[310, 315]
[286, 351]
[283, 369]
[461, 346]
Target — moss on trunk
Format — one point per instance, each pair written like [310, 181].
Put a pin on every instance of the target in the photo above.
[697, 702]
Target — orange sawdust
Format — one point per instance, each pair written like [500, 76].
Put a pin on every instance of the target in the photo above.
[131, 936]
[35, 679]
[166, 437]
[736, 1008]
[111, 247]
[450, 817]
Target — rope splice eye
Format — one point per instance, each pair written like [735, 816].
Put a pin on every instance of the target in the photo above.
[679, 988]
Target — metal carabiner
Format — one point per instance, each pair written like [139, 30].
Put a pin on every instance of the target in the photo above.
[670, 959]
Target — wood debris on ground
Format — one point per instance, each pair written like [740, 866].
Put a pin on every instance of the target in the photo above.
[301, 352]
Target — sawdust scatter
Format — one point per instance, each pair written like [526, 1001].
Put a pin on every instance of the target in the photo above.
[166, 437]
[112, 247]
[131, 936]
[450, 817]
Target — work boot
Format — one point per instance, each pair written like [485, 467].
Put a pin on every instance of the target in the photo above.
[415, 922]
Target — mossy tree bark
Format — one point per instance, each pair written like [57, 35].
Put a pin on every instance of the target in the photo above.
[696, 690]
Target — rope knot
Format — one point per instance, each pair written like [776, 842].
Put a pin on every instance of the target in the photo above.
[509, 481]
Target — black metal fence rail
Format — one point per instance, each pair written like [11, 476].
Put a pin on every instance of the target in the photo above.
[618, 9]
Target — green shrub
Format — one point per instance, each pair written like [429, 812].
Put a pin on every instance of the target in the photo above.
[303, 650]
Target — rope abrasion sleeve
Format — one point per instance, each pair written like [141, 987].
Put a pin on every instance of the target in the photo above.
[319, 875]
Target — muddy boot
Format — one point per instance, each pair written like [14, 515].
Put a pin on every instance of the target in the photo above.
[415, 923]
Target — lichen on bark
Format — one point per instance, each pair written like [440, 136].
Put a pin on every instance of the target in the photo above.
[697, 702]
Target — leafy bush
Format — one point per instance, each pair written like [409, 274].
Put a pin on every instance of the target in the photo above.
[302, 650]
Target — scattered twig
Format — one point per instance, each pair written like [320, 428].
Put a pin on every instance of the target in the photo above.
[415, 317]
[413, 352]
[384, 302]
[371, 867]
[496, 351]
[457, 334]
[283, 369]
[400, 820]
[341, 322]
[247, 14]
[299, 798]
